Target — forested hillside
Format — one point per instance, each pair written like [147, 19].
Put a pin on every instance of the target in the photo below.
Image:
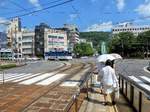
[96, 37]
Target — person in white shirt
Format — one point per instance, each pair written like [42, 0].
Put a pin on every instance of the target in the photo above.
[109, 81]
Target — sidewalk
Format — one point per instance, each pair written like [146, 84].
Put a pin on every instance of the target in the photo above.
[95, 103]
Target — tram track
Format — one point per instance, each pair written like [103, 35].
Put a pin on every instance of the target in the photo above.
[36, 91]
[56, 87]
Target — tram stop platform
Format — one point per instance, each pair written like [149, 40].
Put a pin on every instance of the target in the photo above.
[95, 102]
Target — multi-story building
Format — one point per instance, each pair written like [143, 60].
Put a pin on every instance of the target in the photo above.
[13, 28]
[39, 39]
[23, 44]
[72, 34]
[55, 40]
[28, 43]
[129, 27]
[49, 39]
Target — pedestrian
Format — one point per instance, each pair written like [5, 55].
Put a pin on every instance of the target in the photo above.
[109, 81]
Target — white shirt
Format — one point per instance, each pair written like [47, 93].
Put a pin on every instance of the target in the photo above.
[108, 76]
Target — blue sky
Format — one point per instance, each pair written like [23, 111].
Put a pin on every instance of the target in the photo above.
[88, 15]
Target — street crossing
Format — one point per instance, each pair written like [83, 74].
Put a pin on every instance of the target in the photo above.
[32, 78]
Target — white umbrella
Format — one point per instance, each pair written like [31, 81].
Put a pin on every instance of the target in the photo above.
[117, 56]
[105, 57]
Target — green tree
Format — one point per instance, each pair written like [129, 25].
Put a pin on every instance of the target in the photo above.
[83, 49]
[122, 43]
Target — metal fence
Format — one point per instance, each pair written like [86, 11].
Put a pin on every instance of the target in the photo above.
[137, 96]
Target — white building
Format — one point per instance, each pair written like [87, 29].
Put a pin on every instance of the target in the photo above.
[13, 28]
[28, 43]
[55, 40]
[23, 44]
[73, 35]
[129, 27]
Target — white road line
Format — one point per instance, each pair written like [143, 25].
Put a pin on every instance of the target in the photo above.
[145, 78]
[27, 77]
[36, 79]
[16, 77]
[51, 79]
[10, 75]
[140, 83]
[20, 76]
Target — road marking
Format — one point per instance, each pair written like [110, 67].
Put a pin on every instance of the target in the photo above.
[51, 79]
[140, 83]
[11, 76]
[15, 77]
[145, 78]
[36, 79]
[27, 77]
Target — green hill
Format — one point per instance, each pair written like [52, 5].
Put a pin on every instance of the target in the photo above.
[96, 38]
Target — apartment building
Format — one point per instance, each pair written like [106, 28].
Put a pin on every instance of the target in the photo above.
[28, 43]
[72, 34]
[13, 28]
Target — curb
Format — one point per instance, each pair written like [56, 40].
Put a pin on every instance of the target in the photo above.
[145, 69]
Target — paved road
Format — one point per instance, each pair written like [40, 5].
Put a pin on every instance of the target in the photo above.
[36, 67]
[132, 67]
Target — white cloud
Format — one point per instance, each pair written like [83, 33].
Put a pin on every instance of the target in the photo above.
[147, 0]
[3, 20]
[106, 26]
[73, 16]
[120, 4]
[36, 3]
[144, 9]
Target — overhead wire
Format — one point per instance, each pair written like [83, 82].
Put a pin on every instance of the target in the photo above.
[46, 8]
[32, 8]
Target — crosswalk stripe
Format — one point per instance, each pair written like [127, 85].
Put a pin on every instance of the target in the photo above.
[51, 79]
[9, 75]
[140, 83]
[36, 79]
[27, 77]
[15, 77]
[145, 78]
